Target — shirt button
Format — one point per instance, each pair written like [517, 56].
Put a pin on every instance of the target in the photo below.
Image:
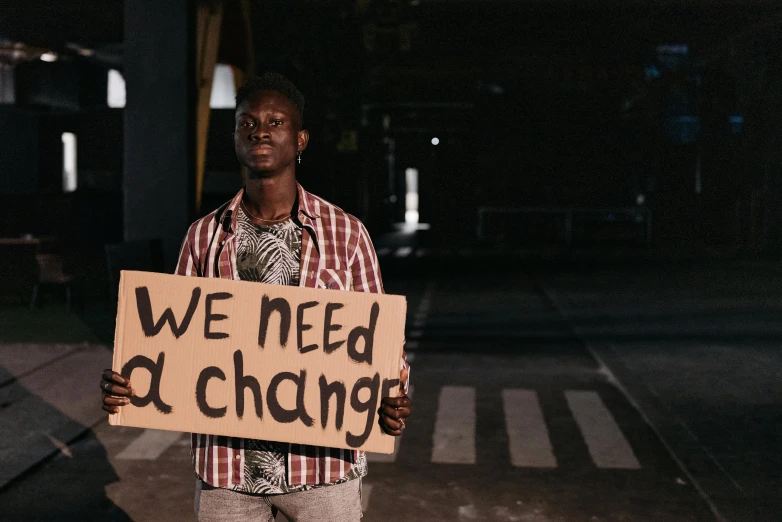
[236, 457]
[222, 243]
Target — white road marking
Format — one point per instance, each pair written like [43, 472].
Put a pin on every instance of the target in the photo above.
[391, 457]
[383, 251]
[410, 358]
[150, 445]
[468, 512]
[646, 416]
[403, 251]
[414, 334]
[607, 445]
[528, 437]
[454, 429]
[366, 490]
[411, 345]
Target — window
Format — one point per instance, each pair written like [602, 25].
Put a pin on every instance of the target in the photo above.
[68, 162]
[223, 88]
[411, 196]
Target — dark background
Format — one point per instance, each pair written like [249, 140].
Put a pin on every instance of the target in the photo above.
[535, 104]
[601, 214]
[544, 105]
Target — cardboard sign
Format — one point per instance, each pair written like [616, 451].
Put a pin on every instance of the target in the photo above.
[258, 361]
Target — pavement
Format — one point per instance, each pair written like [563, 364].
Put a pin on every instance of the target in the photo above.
[632, 391]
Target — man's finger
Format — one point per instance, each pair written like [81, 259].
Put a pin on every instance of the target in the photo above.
[111, 375]
[116, 401]
[398, 402]
[115, 389]
[395, 413]
[392, 424]
[110, 409]
[389, 430]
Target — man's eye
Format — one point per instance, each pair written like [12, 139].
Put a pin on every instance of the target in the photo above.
[277, 122]
[245, 124]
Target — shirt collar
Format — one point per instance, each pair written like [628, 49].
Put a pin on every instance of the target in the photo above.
[306, 205]
[306, 209]
[231, 214]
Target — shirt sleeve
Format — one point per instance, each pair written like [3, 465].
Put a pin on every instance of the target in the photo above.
[365, 270]
[187, 263]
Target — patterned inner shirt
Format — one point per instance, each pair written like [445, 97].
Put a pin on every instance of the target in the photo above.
[271, 254]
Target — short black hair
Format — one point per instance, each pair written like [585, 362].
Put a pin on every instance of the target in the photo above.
[270, 81]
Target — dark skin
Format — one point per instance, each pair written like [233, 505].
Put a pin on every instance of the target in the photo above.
[267, 137]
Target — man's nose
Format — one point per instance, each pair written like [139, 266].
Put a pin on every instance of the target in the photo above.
[260, 132]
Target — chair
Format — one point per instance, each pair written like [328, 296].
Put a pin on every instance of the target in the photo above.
[51, 271]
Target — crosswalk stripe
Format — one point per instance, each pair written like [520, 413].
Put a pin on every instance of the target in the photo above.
[454, 430]
[149, 445]
[391, 457]
[528, 437]
[607, 445]
[403, 251]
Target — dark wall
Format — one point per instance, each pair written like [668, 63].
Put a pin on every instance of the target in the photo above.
[31, 174]
[159, 122]
[19, 151]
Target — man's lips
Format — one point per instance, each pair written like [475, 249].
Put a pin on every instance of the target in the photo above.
[261, 149]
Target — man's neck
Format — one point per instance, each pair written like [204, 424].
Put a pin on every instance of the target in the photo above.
[270, 198]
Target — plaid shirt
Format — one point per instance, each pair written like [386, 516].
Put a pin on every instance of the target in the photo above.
[336, 253]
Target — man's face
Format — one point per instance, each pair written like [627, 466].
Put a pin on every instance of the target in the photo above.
[268, 133]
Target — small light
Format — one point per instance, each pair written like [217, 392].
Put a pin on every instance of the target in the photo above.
[640, 199]
[49, 57]
[435, 141]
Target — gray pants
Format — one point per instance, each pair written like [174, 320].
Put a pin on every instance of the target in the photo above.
[332, 503]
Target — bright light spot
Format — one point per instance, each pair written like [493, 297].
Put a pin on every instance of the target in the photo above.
[68, 162]
[640, 199]
[435, 141]
[115, 95]
[49, 57]
[411, 196]
[223, 88]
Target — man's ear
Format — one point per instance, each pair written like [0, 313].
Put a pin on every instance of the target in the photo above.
[303, 139]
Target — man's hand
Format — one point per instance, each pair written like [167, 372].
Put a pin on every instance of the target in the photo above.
[116, 391]
[394, 410]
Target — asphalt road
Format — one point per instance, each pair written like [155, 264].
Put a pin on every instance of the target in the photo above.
[541, 392]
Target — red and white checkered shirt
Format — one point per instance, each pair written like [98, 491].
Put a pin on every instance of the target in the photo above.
[336, 253]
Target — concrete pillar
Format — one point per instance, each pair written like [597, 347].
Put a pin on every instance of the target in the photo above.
[159, 121]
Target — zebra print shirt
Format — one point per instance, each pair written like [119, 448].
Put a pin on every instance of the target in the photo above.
[271, 254]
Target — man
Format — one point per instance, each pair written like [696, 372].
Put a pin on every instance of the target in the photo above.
[273, 231]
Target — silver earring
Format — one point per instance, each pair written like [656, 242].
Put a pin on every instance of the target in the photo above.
[298, 155]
